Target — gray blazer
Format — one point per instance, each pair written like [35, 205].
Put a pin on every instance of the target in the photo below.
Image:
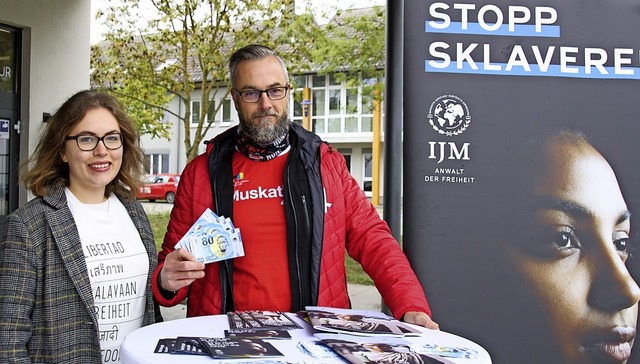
[46, 302]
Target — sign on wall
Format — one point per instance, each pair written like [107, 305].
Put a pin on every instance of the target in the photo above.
[7, 61]
[521, 146]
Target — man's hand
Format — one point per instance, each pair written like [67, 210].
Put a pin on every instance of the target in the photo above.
[420, 318]
[180, 269]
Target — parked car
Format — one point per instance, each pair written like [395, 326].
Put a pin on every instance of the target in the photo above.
[160, 186]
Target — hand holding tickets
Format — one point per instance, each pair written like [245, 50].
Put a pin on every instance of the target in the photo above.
[212, 238]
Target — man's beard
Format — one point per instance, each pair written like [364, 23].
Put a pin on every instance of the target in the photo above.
[264, 132]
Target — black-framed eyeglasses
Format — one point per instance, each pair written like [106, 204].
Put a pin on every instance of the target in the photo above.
[89, 142]
[274, 93]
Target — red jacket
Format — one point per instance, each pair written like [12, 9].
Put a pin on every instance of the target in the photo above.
[343, 218]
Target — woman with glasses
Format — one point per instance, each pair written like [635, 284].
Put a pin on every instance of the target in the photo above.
[76, 261]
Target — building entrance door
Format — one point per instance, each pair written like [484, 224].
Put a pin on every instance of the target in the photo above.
[9, 120]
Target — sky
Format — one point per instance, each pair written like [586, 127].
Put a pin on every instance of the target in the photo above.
[97, 28]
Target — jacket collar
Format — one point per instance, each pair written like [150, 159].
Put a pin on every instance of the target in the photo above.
[306, 140]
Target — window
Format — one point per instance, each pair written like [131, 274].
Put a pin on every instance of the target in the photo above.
[346, 153]
[336, 106]
[319, 81]
[334, 102]
[297, 103]
[318, 125]
[335, 125]
[367, 170]
[226, 111]
[367, 123]
[351, 125]
[367, 104]
[318, 110]
[352, 101]
[195, 111]
[318, 102]
[299, 81]
[8, 55]
[211, 116]
[157, 163]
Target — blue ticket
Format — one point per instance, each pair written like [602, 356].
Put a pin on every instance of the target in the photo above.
[212, 238]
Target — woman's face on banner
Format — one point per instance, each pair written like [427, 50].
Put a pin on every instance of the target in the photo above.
[575, 252]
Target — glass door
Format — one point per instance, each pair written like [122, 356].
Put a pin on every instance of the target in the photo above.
[9, 120]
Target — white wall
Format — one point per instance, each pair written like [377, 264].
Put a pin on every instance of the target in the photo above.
[55, 59]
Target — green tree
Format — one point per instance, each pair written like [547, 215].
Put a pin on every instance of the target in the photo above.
[184, 46]
[352, 45]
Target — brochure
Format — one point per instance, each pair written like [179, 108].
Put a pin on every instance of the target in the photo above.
[257, 319]
[316, 350]
[446, 351]
[264, 333]
[357, 322]
[382, 350]
[182, 346]
[218, 347]
[234, 348]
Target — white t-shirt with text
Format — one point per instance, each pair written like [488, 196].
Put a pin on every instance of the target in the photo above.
[118, 266]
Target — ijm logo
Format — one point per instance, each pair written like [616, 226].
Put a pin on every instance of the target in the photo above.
[449, 150]
[449, 115]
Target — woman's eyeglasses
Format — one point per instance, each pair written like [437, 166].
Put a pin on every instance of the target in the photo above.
[89, 142]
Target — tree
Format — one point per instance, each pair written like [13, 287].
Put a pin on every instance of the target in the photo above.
[352, 44]
[184, 46]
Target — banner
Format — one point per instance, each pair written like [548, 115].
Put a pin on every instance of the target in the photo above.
[521, 144]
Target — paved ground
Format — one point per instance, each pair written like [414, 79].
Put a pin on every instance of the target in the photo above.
[362, 297]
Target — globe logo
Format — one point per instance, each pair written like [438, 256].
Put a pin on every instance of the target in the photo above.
[449, 115]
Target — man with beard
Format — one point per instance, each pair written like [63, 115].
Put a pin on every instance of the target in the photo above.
[297, 207]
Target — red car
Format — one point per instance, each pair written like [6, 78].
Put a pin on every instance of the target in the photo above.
[160, 186]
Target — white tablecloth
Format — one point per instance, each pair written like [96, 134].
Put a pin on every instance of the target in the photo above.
[138, 346]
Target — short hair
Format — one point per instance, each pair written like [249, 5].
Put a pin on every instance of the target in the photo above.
[253, 52]
[45, 168]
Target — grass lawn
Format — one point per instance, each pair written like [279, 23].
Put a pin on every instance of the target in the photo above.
[159, 222]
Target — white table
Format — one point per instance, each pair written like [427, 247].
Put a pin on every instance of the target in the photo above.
[138, 346]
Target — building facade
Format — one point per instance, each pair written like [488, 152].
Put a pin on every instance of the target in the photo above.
[340, 114]
[44, 59]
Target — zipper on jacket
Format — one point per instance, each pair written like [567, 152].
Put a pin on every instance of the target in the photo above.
[228, 293]
[307, 227]
[307, 220]
[297, 241]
